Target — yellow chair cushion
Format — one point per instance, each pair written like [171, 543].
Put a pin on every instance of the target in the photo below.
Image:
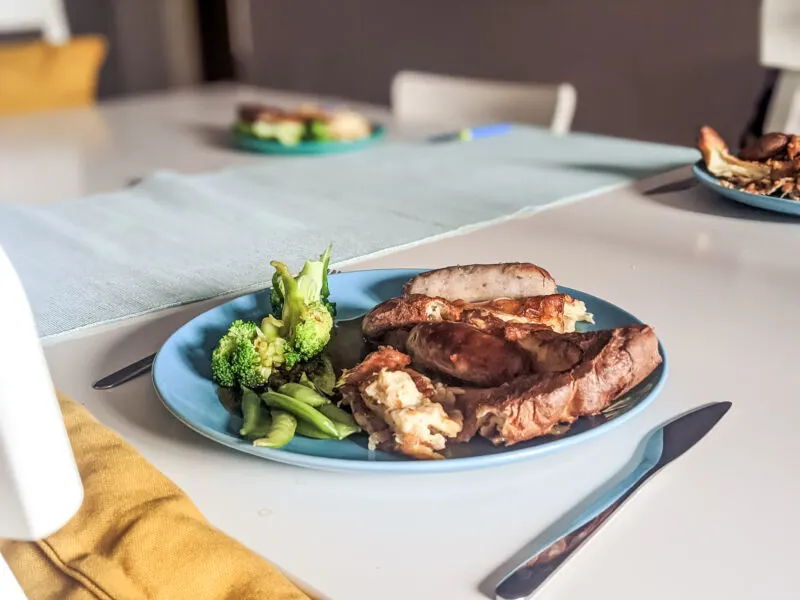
[37, 76]
[136, 537]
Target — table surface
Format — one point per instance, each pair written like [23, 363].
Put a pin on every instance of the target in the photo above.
[714, 278]
[105, 147]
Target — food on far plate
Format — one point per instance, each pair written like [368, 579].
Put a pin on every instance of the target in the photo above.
[473, 283]
[769, 165]
[491, 351]
[305, 123]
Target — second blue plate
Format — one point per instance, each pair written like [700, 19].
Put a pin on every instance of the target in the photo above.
[781, 205]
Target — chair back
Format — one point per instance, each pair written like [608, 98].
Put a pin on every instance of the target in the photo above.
[427, 99]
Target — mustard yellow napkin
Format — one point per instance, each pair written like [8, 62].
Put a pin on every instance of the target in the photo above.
[38, 76]
[136, 537]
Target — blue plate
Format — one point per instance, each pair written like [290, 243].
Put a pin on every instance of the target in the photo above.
[182, 378]
[781, 205]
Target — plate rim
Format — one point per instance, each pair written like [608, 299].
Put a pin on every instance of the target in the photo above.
[411, 466]
[762, 201]
[275, 147]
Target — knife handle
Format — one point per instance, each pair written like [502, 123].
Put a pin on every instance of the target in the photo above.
[525, 579]
[140, 367]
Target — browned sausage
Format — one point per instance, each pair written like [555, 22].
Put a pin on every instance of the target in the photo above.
[466, 353]
[474, 283]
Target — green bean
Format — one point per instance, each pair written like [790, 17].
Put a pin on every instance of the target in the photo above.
[310, 431]
[301, 392]
[336, 414]
[280, 433]
[256, 420]
[346, 430]
[301, 410]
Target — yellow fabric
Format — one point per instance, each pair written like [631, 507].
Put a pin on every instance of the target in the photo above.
[37, 76]
[136, 537]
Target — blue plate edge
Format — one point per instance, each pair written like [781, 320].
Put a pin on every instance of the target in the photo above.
[252, 143]
[760, 201]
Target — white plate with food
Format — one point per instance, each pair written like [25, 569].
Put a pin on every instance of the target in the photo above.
[424, 371]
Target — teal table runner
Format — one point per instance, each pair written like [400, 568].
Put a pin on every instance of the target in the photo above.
[175, 239]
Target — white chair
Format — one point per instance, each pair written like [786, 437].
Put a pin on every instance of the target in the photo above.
[443, 101]
[46, 16]
[783, 113]
[40, 487]
[780, 49]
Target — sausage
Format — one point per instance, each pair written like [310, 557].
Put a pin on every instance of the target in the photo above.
[475, 283]
[465, 353]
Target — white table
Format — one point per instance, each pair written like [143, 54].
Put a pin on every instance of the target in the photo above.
[717, 281]
[54, 156]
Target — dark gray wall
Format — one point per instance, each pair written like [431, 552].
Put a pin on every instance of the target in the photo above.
[137, 56]
[647, 69]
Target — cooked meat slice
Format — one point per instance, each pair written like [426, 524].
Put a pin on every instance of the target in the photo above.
[396, 338]
[560, 312]
[517, 331]
[465, 353]
[253, 113]
[392, 402]
[369, 421]
[407, 311]
[474, 283]
[394, 405]
[485, 321]
[767, 146]
[383, 358]
[250, 113]
[550, 352]
[721, 163]
[612, 363]
[793, 149]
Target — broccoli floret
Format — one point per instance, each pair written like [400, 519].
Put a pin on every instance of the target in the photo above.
[271, 327]
[313, 331]
[276, 295]
[248, 367]
[221, 371]
[222, 356]
[325, 292]
[307, 324]
[246, 355]
[318, 130]
[314, 271]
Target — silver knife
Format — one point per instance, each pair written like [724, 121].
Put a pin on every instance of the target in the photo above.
[662, 446]
[140, 367]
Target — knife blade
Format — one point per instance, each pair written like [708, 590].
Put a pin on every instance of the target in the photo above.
[133, 370]
[662, 446]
